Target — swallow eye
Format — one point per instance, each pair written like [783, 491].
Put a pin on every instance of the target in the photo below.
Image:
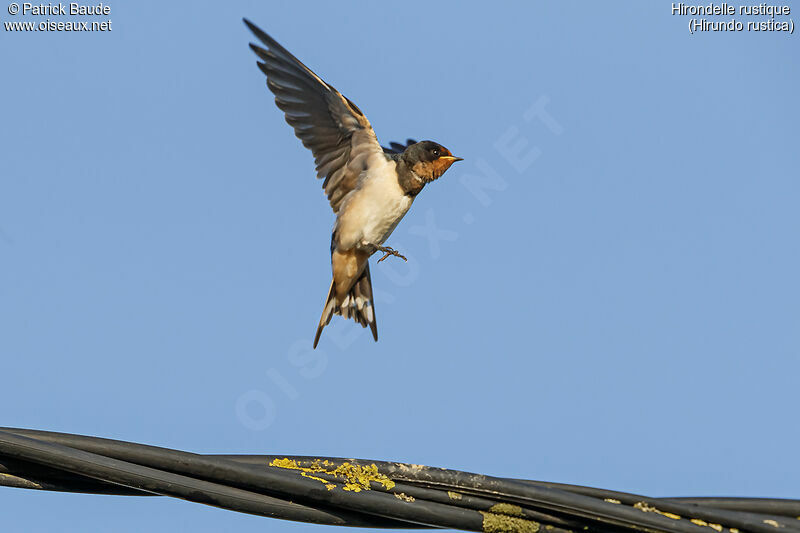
[436, 152]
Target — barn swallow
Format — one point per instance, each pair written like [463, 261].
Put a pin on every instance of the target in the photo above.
[370, 188]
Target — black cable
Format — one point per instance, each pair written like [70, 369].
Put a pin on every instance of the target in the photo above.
[24, 474]
[366, 493]
[511, 490]
[165, 483]
[287, 483]
[752, 514]
[772, 506]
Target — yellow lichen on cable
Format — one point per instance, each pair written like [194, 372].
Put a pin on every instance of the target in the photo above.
[645, 507]
[285, 463]
[305, 472]
[506, 508]
[699, 522]
[357, 477]
[501, 523]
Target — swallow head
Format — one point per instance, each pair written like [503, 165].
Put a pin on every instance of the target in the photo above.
[429, 160]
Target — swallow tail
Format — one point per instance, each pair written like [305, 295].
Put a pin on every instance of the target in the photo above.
[358, 304]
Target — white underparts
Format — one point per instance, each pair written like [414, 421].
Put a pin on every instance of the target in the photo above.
[374, 209]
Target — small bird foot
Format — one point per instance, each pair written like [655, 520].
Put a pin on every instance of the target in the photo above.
[387, 251]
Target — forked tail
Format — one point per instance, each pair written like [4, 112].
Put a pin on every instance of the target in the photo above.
[358, 305]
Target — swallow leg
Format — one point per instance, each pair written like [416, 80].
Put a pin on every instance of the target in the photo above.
[387, 251]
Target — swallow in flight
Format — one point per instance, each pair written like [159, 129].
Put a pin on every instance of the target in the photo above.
[370, 188]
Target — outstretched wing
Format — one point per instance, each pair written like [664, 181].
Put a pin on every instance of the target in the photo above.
[331, 126]
[398, 148]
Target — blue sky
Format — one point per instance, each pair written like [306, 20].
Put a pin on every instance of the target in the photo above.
[604, 292]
